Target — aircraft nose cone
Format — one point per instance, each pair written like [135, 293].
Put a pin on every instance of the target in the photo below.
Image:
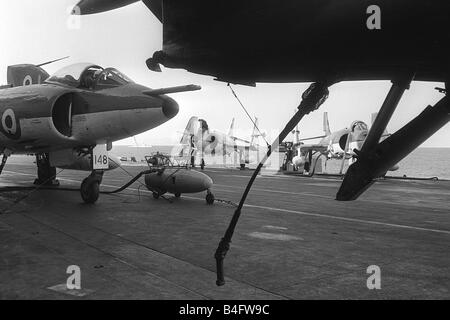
[170, 107]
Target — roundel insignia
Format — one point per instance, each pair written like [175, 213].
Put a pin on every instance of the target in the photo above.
[10, 125]
[28, 81]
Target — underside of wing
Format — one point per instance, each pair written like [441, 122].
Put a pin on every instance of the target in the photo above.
[313, 147]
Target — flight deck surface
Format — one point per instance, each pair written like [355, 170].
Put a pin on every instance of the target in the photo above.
[293, 241]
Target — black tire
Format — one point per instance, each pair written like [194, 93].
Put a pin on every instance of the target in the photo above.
[90, 191]
[177, 195]
[156, 195]
[210, 199]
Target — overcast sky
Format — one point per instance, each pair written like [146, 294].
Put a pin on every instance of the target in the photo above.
[37, 31]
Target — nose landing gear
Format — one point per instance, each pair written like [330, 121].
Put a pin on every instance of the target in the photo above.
[90, 187]
[45, 171]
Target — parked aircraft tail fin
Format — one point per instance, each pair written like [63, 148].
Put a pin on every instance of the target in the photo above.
[191, 129]
[231, 130]
[326, 124]
[25, 75]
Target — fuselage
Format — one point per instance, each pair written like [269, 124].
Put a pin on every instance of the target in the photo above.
[341, 143]
[337, 145]
[215, 142]
[53, 116]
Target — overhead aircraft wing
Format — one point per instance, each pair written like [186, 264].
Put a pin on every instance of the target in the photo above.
[155, 6]
[96, 6]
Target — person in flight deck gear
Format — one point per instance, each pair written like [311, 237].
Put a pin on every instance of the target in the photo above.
[202, 165]
[289, 154]
[157, 160]
[153, 161]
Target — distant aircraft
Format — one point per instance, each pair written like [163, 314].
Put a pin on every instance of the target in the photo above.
[199, 139]
[70, 119]
[339, 144]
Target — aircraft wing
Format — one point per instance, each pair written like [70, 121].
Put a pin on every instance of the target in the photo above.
[312, 138]
[155, 6]
[221, 39]
[96, 6]
[304, 148]
[240, 140]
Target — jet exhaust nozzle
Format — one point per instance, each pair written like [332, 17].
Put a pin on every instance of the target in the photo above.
[170, 107]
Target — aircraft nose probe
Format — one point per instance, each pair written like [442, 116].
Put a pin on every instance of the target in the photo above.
[312, 99]
[170, 108]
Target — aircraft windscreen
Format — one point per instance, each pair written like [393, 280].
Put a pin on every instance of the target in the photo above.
[360, 126]
[72, 74]
[111, 77]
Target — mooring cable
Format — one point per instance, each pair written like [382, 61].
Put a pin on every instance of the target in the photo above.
[125, 186]
[118, 190]
[251, 119]
[312, 99]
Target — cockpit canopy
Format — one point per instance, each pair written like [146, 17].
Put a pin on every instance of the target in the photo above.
[359, 126]
[89, 76]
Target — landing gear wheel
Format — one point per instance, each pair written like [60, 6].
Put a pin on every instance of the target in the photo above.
[177, 195]
[156, 195]
[90, 190]
[210, 199]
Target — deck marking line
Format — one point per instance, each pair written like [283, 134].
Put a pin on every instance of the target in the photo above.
[301, 212]
[348, 219]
